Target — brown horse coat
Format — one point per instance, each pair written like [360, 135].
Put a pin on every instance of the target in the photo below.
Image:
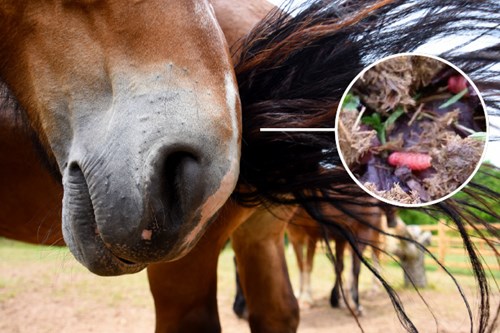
[304, 232]
[31, 209]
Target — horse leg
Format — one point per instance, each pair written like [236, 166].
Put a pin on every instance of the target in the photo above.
[339, 268]
[308, 266]
[185, 290]
[298, 249]
[185, 293]
[298, 238]
[259, 248]
[240, 303]
[376, 253]
[356, 269]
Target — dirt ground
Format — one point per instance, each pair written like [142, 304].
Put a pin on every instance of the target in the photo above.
[46, 290]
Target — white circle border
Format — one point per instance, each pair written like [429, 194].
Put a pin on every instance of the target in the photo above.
[396, 203]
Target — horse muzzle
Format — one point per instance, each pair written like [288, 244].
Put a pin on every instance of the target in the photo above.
[114, 228]
[148, 192]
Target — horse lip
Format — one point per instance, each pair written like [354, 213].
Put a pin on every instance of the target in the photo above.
[126, 262]
[82, 233]
[93, 253]
[126, 266]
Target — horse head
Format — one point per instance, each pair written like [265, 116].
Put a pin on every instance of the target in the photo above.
[136, 104]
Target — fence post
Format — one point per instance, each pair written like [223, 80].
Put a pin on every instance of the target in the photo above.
[442, 241]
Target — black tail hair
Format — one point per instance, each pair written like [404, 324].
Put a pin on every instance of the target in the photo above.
[292, 71]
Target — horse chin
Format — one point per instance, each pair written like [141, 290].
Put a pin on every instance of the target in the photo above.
[93, 254]
[90, 250]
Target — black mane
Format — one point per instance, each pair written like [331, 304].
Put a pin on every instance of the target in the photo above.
[292, 72]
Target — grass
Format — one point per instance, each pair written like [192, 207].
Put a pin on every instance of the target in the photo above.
[45, 288]
[451, 259]
[56, 268]
[489, 263]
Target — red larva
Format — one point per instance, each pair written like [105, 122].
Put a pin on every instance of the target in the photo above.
[414, 161]
[457, 83]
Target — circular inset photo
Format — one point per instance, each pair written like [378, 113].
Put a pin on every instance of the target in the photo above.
[411, 129]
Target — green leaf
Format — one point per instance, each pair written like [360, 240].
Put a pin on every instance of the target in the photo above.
[454, 99]
[480, 136]
[373, 120]
[376, 123]
[381, 136]
[351, 102]
[394, 116]
[382, 132]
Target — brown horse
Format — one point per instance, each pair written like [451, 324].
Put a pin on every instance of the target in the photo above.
[129, 116]
[31, 201]
[304, 233]
[136, 121]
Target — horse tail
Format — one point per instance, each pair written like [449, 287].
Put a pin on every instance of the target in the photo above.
[292, 71]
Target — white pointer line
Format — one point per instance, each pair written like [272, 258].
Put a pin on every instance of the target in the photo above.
[295, 129]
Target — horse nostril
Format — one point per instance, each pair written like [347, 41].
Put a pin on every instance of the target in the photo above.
[74, 170]
[76, 177]
[180, 188]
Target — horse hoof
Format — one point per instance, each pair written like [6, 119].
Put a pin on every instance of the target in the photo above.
[334, 303]
[306, 304]
[305, 301]
[243, 315]
[360, 312]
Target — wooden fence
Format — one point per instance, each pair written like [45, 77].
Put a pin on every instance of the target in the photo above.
[447, 246]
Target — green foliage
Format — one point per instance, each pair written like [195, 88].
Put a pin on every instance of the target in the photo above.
[454, 99]
[414, 216]
[480, 136]
[375, 121]
[351, 102]
[487, 176]
[394, 116]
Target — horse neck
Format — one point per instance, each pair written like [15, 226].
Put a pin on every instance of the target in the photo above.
[30, 196]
